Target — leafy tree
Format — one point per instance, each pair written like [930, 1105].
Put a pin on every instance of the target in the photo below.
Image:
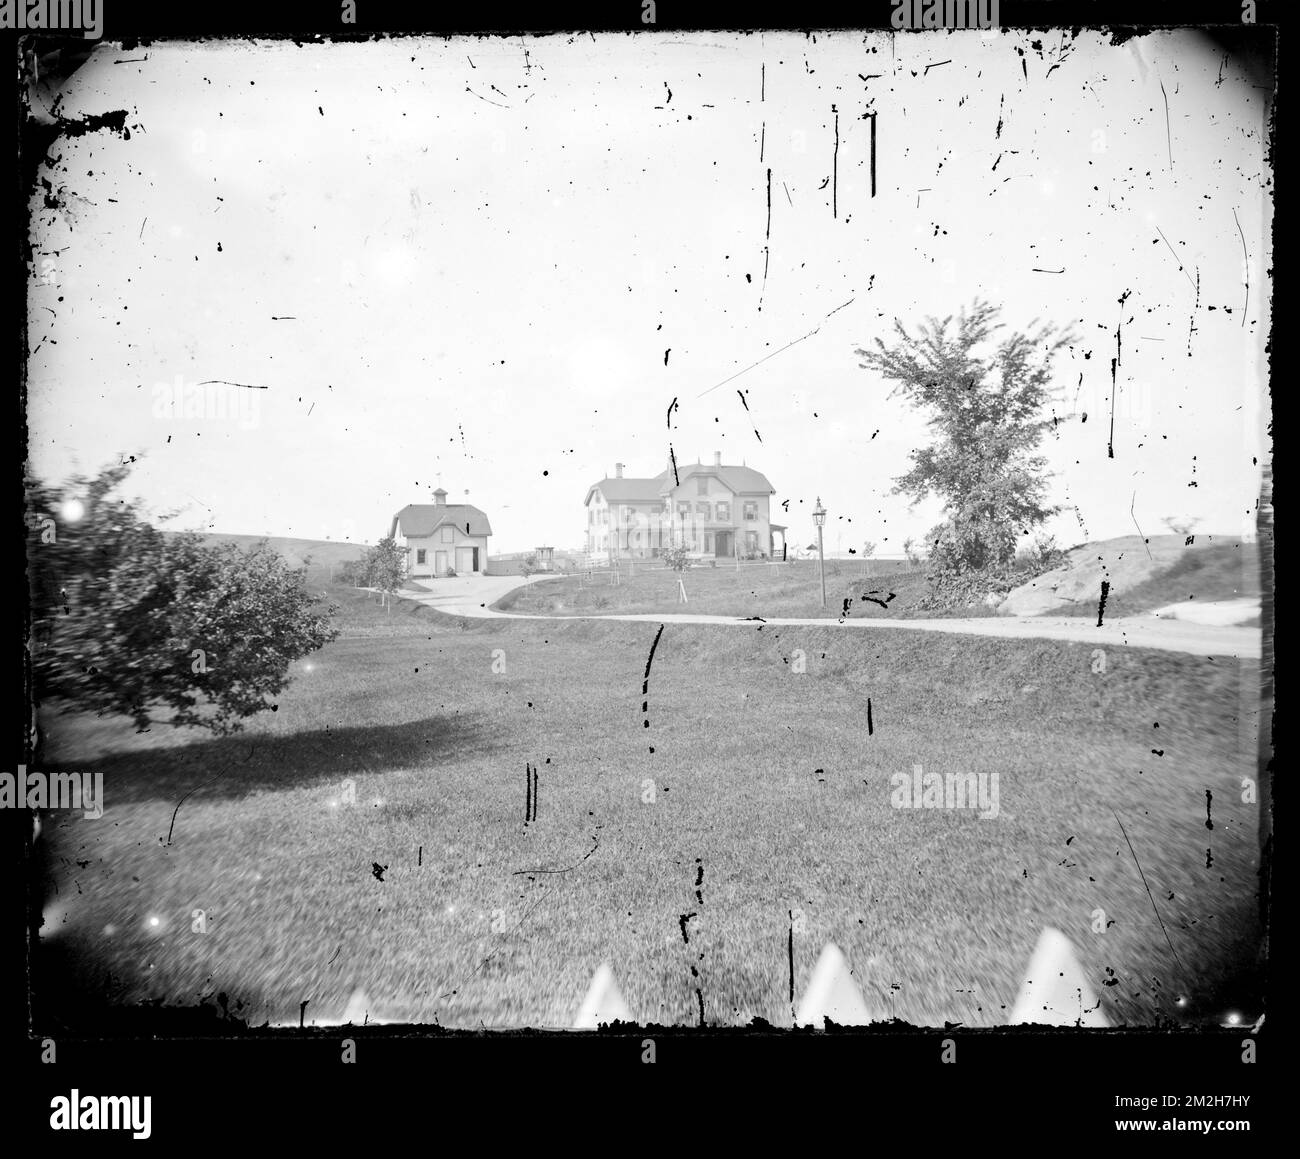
[1047, 553]
[984, 396]
[353, 573]
[528, 565]
[384, 565]
[868, 549]
[129, 620]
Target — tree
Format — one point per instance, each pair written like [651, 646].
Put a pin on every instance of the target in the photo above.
[353, 573]
[528, 565]
[384, 565]
[868, 549]
[984, 398]
[129, 620]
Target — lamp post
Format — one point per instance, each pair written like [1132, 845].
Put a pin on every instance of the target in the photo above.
[819, 518]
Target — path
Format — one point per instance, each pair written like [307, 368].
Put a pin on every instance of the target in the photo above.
[472, 597]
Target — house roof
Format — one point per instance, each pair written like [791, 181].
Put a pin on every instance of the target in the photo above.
[626, 490]
[741, 480]
[417, 520]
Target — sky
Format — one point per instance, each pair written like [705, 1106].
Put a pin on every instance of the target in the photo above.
[492, 264]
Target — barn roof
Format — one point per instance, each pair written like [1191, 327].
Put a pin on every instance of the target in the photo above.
[417, 520]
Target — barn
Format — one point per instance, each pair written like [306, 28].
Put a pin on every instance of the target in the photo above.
[443, 538]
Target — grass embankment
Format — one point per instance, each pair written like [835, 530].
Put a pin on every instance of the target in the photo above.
[1228, 571]
[765, 590]
[770, 794]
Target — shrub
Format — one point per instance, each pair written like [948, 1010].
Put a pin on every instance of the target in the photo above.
[130, 621]
[676, 557]
[352, 573]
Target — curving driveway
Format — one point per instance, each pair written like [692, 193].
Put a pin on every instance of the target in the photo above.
[472, 596]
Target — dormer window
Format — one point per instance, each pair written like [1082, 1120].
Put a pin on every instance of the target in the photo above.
[702, 485]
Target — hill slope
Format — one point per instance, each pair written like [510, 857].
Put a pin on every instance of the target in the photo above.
[1143, 576]
[320, 555]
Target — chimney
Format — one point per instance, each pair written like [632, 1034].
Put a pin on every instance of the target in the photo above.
[618, 470]
[440, 497]
[717, 458]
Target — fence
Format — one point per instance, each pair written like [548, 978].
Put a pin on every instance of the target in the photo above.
[514, 565]
[1055, 992]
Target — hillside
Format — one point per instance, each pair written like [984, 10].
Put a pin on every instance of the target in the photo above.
[1143, 576]
[320, 555]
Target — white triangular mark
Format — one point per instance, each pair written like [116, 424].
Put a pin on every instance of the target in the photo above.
[355, 1013]
[358, 1009]
[1056, 992]
[832, 994]
[603, 1003]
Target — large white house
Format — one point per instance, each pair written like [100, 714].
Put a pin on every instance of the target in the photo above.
[442, 537]
[717, 511]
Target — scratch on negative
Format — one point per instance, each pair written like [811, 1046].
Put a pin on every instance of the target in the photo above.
[1168, 139]
[569, 868]
[816, 329]
[1133, 517]
[1143, 876]
[1181, 267]
[1245, 270]
[481, 97]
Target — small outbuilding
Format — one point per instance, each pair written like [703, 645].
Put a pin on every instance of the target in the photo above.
[442, 538]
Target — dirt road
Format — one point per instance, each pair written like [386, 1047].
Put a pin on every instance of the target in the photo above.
[472, 596]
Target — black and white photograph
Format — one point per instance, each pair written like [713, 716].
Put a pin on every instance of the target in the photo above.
[701, 529]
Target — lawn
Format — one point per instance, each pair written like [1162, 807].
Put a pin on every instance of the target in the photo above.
[766, 794]
[859, 590]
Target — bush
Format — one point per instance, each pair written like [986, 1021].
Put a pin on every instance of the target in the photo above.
[676, 557]
[352, 572]
[968, 588]
[451, 573]
[128, 620]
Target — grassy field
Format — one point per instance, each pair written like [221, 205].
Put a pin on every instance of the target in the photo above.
[770, 794]
[766, 590]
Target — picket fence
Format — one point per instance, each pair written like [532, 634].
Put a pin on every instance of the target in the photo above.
[1055, 992]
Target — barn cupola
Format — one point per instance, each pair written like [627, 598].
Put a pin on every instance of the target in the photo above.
[440, 497]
